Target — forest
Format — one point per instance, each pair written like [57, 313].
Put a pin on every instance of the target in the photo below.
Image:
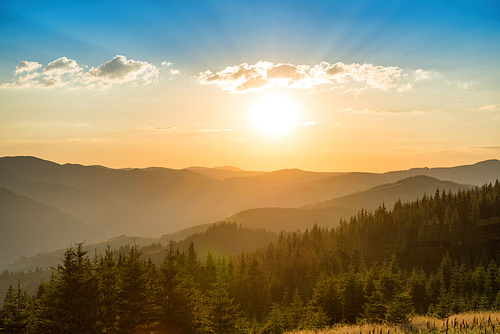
[438, 255]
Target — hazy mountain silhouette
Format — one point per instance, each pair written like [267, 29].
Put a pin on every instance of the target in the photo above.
[405, 190]
[151, 202]
[29, 227]
[218, 238]
[222, 173]
[329, 213]
[291, 219]
[477, 174]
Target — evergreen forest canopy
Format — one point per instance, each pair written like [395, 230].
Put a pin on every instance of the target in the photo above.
[436, 255]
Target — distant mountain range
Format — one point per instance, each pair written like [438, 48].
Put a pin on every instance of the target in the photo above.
[45, 204]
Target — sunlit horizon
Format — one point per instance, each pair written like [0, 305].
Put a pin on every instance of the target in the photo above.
[359, 86]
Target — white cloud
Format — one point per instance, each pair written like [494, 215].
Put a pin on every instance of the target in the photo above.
[490, 107]
[67, 72]
[160, 128]
[61, 66]
[27, 66]
[463, 85]
[367, 111]
[175, 71]
[120, 70]
[405, 87]
[487, 147]
[420, 74]
[80, 139]
[266, 75]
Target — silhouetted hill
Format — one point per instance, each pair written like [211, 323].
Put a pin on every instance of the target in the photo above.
[38, 170]
[155, 201]
[227, 238]
[29, 227]
[405, 190]
[291, 219]
[477, 174]
[222, 173]
[219, 238]
[328, 213]
[94, 208]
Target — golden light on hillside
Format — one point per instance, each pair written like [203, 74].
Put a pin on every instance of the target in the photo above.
[275, 114]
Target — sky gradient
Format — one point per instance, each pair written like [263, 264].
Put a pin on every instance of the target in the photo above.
[377, 85]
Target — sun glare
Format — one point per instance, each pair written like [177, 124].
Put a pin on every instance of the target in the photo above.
[275, 114]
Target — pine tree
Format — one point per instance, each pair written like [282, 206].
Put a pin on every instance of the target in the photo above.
[15, 313]
[222, 315]
[107, 283]
[133, 302]
[69, 304]
[176, 295]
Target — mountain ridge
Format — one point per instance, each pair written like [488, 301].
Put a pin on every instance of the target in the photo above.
[155, 201]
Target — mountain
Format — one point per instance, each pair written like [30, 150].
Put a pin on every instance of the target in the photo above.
[222, 173]
[154, 201]
[29, 227]
[328, 213]
[477, 174]
[291, 219]
[405, 190]
[227, 238]
[219, 239]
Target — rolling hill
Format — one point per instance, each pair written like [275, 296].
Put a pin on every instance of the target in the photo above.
[29, 227]
[328, 213]
[154, 201]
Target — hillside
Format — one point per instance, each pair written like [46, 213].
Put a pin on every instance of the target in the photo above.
[329, 213]
[220, 239]
[222, 173]
[405, 190]
[437, 255]
[151, 202]
[291, 219]
[29, 227]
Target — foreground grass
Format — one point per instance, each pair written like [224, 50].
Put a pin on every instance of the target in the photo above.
[463, 323]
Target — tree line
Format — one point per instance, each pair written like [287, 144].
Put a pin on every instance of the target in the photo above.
[436, 255]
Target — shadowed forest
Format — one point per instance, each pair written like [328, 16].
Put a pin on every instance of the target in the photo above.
[436, 256]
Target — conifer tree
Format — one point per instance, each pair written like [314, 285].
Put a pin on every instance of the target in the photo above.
[222, 314]
[175, 296]
[107, 283]
[133, 302]
[69, 303]
[15, 313]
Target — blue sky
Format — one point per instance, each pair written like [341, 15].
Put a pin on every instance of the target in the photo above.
[449, 49]
[202, 33]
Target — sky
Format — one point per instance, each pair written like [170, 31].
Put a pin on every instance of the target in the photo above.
[262, 85]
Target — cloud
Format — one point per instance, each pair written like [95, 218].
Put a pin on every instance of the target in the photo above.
[490, 107]
[67, 72]
[420, 74]
[61, 66]
[367, 111]
[488, 147]
[160, 128]
[405, 88]
[175, 71]
[266, 75]
[27, 66]
[120, 70]
[80, 139]
[463, 85]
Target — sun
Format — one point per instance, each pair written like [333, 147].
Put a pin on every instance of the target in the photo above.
[275, 114]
